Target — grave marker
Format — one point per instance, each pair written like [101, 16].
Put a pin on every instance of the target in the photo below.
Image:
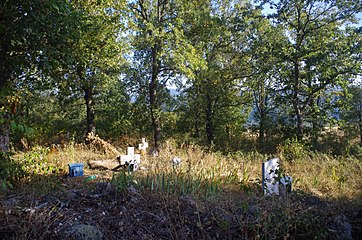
[143, 146]
[132, 160]
[271, 182]
[285, 186]
[175, 161]
[269, 176]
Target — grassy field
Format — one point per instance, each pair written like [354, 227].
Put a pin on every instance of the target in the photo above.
[216, 196]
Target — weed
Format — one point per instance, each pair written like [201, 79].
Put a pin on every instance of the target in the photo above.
[123, 181]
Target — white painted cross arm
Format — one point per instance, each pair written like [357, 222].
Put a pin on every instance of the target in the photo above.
[144, 145]
[130, 159]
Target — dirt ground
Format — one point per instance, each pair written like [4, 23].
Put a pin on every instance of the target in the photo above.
[96, 210]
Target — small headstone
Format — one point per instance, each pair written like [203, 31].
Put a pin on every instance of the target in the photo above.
[143, 146]
[271, 182]
[154, 153]
[269, 176]
[130, 150]
[175, 161]
[131, 160]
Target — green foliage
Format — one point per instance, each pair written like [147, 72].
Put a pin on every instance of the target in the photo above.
[123, 181]
[30, 166]
[293, 150]
[35, 162]
[162, 55]
[7, 174]
[352, 112]
[114, 112]
[20, 131]
[119, 58]
[318, 53]
[356, 150]
[214, 104]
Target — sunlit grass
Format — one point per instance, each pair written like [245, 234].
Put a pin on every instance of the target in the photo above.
[207, 180]
[202, 172]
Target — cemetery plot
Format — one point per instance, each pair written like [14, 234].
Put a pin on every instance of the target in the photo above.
[269, 175]
[272, 183]
[131, 160]
[143, 146]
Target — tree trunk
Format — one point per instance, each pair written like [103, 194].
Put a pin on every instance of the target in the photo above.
[154, 106]
[300, 125]
[295, 100]
[88, 97]
[4, 137]
[197, 131]
[314, 137]
[261, 104]
[360, 127]
[156, 124]
[4, 80]
[209, 122]
[262, 112]
[262, 129]
[155, 116]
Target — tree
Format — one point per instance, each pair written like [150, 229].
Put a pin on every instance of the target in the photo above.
[265, 68]
[114, 112]
[216, 97]
[33, 39]
[352, 114]
[97, 56]
[161, 53]
[320, 52]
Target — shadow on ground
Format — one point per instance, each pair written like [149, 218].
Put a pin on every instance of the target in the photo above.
[96, 209]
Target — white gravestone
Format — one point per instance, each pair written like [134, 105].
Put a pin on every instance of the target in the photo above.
[131, 159]
[269, 176]
[271, 182]
[143, 146]
[175, 161]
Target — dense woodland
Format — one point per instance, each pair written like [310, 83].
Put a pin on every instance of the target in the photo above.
[226, 74]
[219, 85]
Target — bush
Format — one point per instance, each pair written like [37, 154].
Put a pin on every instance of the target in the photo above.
[356, 151]
[28, 166]
[292, 150]
[9, 171]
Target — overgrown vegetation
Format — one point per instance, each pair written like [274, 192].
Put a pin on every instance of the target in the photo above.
[222, 84]
[217, 191]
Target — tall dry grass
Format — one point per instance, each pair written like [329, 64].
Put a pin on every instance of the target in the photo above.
[319, 174]
[225, 189]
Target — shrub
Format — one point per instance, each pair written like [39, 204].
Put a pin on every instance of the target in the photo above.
[31, 164]
[10, 170]
[292, 150]
[356, 151]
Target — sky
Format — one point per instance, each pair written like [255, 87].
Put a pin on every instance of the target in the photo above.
[268, 10]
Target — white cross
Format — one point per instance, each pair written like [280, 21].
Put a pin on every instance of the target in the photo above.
[131, 158]
[143, 146]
